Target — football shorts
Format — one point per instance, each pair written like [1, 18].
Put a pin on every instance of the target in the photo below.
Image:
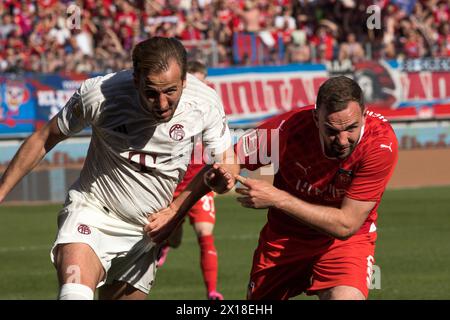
[285, 267]
[204, 210]
[123, 250]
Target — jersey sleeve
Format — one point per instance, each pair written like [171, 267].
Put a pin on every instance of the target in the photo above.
[81, 110]
[216, 133]
[376, 169]
[263, 145]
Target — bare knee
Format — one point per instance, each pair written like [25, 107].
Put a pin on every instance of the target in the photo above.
[341, 293]
[203, 229]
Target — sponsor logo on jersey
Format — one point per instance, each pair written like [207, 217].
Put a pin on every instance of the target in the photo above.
[176, 132]
[84, 229]
[304, 169]
[335, 190]
[385, 146]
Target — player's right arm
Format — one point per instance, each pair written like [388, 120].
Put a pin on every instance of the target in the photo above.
[79, 112]
[30, 154]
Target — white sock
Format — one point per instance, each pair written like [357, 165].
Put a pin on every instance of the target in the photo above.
[75, 291]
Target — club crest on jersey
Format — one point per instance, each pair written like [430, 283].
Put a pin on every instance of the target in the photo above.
[84, 229]
[344, 178]
[176, 132]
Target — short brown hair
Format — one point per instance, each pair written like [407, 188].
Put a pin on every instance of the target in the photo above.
[154, 55]
[197, 66]
[335, 94]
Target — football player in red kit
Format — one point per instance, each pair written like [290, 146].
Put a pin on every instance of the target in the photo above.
[332, 164]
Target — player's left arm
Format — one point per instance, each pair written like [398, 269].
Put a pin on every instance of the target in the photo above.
[340, 222]
[365, 192]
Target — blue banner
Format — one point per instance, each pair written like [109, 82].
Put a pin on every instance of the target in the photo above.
[411, 90]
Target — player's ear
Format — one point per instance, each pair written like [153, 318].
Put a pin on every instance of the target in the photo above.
[136, 79]
[316, 117]
[364, 115]
[183, 83]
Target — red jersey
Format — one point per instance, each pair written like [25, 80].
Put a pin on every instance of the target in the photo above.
[305, 172]
[193, 168]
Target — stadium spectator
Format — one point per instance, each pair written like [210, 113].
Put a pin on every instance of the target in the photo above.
[6, 26]
[202, 215]
[222, 32]
[250, 16]
[351, 50]
[299, 49]
[444, 40]
[324, 44]
[216, 21]
[333, 164]
[413, 46]
[441, 12]
[143, 121]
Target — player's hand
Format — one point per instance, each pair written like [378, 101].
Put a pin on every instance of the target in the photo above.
[219, 179]
[161, 224]
[257, 194]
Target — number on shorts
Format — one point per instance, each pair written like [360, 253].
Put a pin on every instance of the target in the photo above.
[208, 203]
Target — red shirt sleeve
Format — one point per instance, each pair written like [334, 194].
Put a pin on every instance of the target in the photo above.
[263, 145]
[196, 164]
[376, 169]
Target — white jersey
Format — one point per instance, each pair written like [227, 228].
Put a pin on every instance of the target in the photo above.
[134, 163]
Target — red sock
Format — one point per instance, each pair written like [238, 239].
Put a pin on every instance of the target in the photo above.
[208, 261]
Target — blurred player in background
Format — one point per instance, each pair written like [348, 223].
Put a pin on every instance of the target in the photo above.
[335, 161]
[143, 123]
[202, 215]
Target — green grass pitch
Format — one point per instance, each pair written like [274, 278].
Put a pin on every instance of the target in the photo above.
[413, 250]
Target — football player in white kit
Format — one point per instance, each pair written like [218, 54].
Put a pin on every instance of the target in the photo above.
[144, 122]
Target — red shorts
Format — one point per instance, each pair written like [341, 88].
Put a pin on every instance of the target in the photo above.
[284, 267]
[204, 210]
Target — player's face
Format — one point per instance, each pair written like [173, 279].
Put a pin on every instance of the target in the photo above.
[340, 131]
[160, 93]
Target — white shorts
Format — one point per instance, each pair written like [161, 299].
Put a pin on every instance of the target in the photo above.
[125, 253]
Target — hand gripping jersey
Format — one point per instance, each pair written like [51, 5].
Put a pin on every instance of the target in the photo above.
[134, 163]
[292, 141]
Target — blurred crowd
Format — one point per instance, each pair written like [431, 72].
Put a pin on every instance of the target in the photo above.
[98, 35]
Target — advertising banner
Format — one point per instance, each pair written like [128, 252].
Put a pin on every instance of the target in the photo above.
[401, 91]
[409, 90]
[17, 105]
